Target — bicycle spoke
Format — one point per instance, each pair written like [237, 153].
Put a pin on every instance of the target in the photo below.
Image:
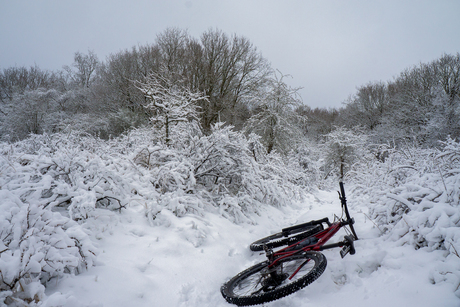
[269, 279]
[249, 286]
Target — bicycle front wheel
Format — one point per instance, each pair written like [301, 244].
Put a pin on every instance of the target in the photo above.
[260, 283]
[280, 239]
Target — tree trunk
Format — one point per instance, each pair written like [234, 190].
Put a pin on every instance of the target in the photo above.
[167, 130]
[342, 166]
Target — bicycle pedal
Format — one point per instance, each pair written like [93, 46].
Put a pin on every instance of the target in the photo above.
[345, 250]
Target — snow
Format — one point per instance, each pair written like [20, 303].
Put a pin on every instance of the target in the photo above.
[85, 222]
[185, 262]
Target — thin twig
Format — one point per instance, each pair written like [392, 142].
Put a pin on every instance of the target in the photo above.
[455, 250]
[381, 231]
[445, 187]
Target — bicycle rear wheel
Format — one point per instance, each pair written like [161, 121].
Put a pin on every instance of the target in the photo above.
[260, 283]
[280, 238]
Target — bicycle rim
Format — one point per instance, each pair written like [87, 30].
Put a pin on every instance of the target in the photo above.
[260, 283]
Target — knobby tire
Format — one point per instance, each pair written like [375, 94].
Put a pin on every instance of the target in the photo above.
[260, 283]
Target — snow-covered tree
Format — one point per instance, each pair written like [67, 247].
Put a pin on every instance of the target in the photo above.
[34, 111]
[342, 148]
[275, 119]
[170, 103]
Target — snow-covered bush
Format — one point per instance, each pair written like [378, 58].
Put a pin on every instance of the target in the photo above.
[70, 171]
[415, 194]
[309, 160]
[49, 182]
[36, 246]
[414, 198]
[218, 170]
[76, 173]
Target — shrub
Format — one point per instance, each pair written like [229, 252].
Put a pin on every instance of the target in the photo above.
[36, 246]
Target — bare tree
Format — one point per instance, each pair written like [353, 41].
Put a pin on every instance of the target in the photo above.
[225, 68]
[118, 74]
[83, 70]
[446, 120]
[17, 80]
[447, 70]
[172, 44]
[368, 105]
[35, 112]
[230, 68]
[412, 95]
[319, 121]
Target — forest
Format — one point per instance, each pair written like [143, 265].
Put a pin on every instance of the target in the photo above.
[188, 126]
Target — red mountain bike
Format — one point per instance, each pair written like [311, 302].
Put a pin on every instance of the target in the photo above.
[294, 267]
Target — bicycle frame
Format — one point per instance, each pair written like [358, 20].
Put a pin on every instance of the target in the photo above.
[322, 237]
[318, 241]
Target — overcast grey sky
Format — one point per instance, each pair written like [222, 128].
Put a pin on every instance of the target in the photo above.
[329, 47]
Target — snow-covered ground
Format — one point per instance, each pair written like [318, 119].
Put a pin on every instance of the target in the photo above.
[183, 261]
